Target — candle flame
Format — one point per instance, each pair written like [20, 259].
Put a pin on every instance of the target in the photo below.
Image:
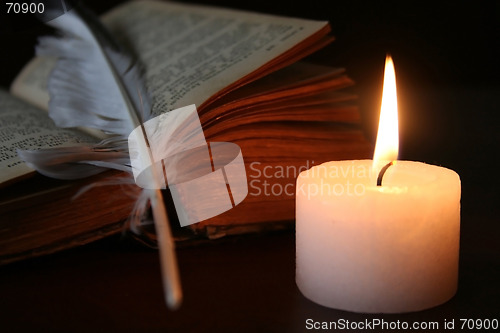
[387, 145]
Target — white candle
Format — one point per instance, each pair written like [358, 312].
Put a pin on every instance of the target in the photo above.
[366, 248]
[377, 249]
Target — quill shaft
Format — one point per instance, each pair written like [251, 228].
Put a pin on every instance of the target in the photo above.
[169, 270]
[166, 247]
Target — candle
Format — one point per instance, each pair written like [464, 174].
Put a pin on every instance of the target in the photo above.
[378, 249]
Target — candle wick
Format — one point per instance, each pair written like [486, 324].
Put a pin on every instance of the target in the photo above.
[382, 172]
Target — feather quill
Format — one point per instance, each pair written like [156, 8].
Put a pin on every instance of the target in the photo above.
[96, 85]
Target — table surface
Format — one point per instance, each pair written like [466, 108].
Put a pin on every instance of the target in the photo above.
[448, 116]
[243, 283]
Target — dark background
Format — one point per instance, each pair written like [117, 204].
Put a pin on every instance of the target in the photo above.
[446, 57]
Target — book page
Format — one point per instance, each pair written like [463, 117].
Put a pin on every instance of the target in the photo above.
[189, 52]
[192, 52]
[23, 126]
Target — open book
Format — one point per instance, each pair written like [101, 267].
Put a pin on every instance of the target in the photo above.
[239, 68]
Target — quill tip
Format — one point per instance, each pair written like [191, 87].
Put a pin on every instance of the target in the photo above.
[173, 299]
